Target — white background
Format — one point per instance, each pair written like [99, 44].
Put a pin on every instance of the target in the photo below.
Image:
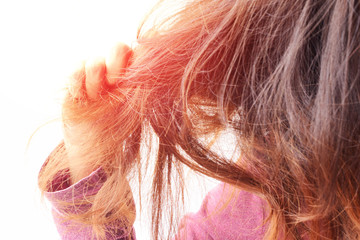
[40, 42]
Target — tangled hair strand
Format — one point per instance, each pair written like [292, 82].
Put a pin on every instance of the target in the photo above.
[284, 76]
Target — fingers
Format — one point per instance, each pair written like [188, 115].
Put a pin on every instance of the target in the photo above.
[76, 82]
[95, 78]
[117, 62]
[90, 79]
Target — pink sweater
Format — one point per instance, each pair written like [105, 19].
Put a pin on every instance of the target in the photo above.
[241, 218]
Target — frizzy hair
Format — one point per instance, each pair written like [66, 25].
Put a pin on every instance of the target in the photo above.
[284, 75]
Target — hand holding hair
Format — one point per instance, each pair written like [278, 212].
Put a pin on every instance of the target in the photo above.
[88, 88]
[96, 75]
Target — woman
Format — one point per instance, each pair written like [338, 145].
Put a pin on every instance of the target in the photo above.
[283, 75]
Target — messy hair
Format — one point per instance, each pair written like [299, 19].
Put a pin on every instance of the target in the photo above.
[283, 75]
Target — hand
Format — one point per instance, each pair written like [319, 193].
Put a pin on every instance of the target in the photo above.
[91, 79]
[84, 107]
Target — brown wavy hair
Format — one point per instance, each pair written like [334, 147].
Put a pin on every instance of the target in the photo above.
[284, 75]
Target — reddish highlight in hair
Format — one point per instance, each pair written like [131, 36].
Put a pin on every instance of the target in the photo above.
[283, 75]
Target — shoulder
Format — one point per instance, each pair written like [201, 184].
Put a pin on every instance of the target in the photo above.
[227, 213]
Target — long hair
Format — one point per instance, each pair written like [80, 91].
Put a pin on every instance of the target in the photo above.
[284, 75]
